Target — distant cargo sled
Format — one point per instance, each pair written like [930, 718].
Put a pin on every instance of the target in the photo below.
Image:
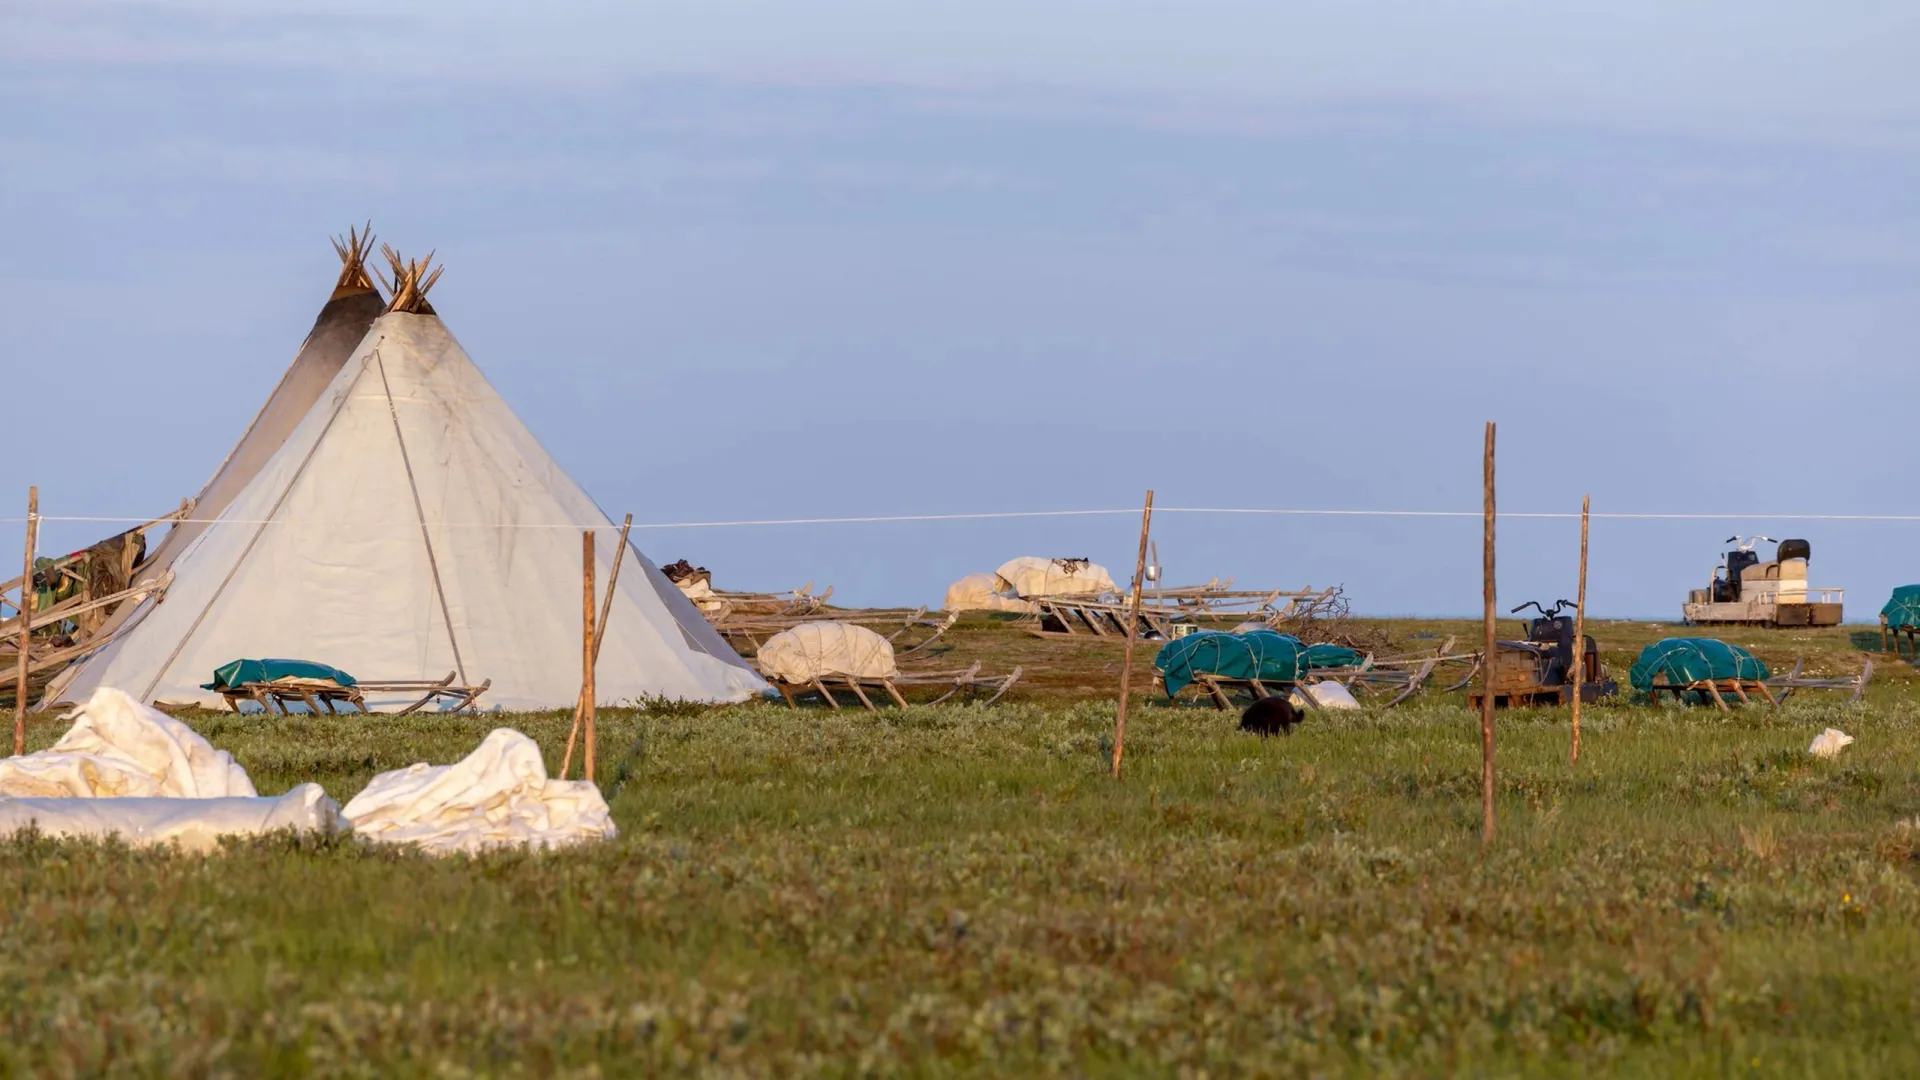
[1743, 591]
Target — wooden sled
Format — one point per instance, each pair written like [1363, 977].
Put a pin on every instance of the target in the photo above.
[969, 680]
[1719, 690]
[914, 634]
[318, 693]
[1793, 680]
[1890, 640]
[1083, 618]
[1367, 680]
[1774, 691]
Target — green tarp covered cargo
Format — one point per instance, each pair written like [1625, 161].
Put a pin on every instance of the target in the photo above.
[1689, 660]
[1903, 608]
[242, 672]
[1265, 655]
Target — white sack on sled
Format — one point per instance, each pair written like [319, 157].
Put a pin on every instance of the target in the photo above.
[497, 796]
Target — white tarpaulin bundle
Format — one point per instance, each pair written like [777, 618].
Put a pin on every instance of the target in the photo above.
[1829, 743]
[700, 592]
[497, 796]
[814, 649]
[1030, 576]
[119, 748]
[194, 824]
[410, 525]
[983, 592]
[129, 770]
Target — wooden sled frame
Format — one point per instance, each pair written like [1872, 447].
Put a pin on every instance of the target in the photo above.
[1366, 678]
[1086, 617]
[1890, 640]
[969, 680]
[1742, 689]
[316, 693]
[753, 631]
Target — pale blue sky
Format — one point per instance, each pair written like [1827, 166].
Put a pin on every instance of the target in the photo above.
[735, 259]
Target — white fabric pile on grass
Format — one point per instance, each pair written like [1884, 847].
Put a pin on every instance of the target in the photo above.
[1326, 694]
[1032, 576]
[814, 649]
[497, 796]
[130, 770]
[194, 824]
[119, 748]
[1829, 743]
[983, 592]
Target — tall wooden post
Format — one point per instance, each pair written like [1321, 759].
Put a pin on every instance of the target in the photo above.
[599, 636]
[1488, 645]
[1133, 632]
[1580, 627]
[586, 653]
[26, 625]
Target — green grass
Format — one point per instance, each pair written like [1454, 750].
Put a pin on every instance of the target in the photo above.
[963, 891]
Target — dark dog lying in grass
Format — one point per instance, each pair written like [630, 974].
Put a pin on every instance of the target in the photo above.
[1270, 716]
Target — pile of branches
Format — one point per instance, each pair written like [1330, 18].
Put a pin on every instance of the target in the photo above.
[1329, 621]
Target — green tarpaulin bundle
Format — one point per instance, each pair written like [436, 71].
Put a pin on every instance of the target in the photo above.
[241, 672]
[1903, 608]
[1265, 655]
[1689, 660]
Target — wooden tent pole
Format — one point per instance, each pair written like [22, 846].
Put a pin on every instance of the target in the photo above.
[1488, 644]
[26, 625]
[1133, 632]
[613, 582]
[1580, 627]
[599, 636]
[587, 643]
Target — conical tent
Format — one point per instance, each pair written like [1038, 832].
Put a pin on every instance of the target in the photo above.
[410, 526]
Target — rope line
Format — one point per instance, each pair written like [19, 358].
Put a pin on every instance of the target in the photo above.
[997, 515]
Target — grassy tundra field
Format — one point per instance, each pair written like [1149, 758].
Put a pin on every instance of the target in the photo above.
[962, 891]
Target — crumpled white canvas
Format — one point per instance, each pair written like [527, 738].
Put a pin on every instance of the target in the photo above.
[497, 796]
[1327, 695]
[1829, 743]
[1030, 575]
[119, 748]
[983, 592]
[193, 824]
[125, 769]
[813, 649]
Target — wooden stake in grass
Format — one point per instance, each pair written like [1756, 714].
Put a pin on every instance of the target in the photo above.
[26, 625]
[1488, 644]
[586, 653]
[1580, 627]
[599, 636]
[1133, 632]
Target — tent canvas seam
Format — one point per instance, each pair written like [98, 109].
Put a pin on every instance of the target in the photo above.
[420, 512]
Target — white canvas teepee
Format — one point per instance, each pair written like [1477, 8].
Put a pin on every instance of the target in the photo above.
[410, 526]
